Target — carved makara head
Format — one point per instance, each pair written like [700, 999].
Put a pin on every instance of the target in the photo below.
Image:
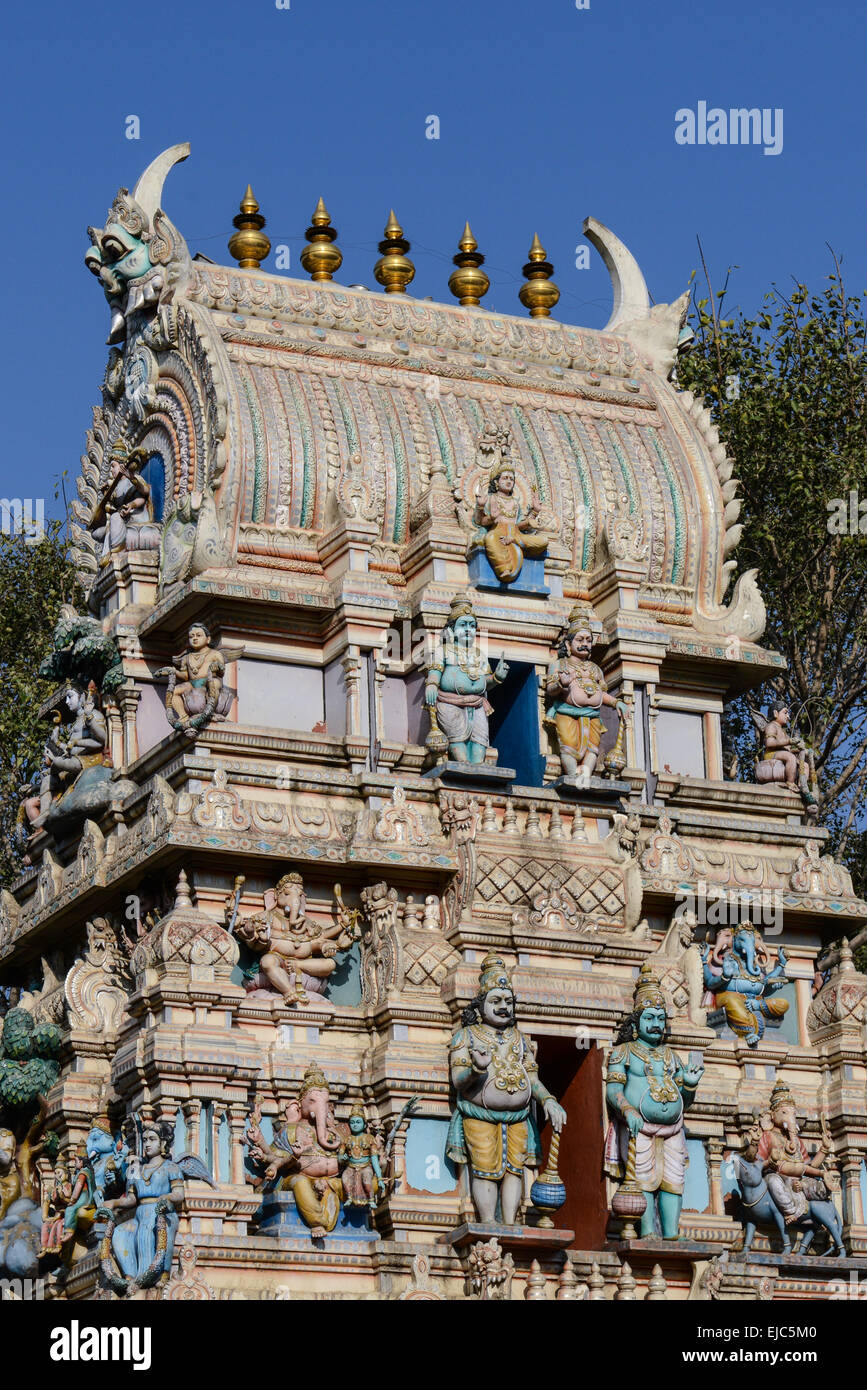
[131, 254]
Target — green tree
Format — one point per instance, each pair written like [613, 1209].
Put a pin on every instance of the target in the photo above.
[35, 579]
[787, 391]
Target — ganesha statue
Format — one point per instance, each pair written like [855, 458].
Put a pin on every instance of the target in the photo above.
[648, 1089]
[493, 1071]
[739, 979]
[304, 1158]
[297, 952]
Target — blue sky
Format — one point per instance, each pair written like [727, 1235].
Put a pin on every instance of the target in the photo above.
[546, 113]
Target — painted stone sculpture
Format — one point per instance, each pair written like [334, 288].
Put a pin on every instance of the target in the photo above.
[458, 679]
[137, 1252]
[785, 757]
[648, 1089]
[28, 1070]
[507, 532]
[493, 1071]
[304, 1158]
[360, 1156]
[298, 952]
[71, 1194]
[575, 691]
[123, 518]
[781, 1184]
[196, 692]
[741, 983]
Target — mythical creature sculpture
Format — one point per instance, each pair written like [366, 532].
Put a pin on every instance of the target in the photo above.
[506, 530]
[137, 256]
[575, 691]
[136, 1253]
[361, 1153]
[785, 757]
[297, 952]
[455, 692]
[648, 1089]
[494, 1074]
[196, 691]
[123, 518]
[742, 985]
[781, 1184]
[304, 1158]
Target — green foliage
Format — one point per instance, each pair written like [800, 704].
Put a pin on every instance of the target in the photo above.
[28, 1059]
[787, 390]
[35, 580]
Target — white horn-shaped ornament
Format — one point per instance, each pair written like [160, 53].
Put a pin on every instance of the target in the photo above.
[148, 191]
[631, 300]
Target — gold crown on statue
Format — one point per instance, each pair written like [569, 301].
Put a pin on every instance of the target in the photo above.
[357, 1109]
[313, 1080]
[460, 607]
[780, 1096]
[494, 974]
[648, 991]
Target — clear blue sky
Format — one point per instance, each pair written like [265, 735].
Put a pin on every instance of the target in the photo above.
[547, 113]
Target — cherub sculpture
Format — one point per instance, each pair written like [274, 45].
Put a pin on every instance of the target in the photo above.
[196, 691]
[785, 757]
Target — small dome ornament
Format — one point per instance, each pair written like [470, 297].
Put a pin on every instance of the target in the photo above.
[321, 259]
[249, 245]
[468, 283]
[394, 269]
[540, 294]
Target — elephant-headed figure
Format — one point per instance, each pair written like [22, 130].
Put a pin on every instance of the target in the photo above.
[304, 1157]
[743, 984]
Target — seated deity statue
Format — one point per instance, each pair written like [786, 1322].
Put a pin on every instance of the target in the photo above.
[304, 1158]
[75, 758]
[196, 691]
[123, 519]
[298, 952]
[458, 679]
[508, 532]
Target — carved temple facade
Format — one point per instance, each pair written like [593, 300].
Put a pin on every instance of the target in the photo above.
[313, 455]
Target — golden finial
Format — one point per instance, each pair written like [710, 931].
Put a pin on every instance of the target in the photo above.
[540, 294]
[468, 283]
[394, 269]
[249, 245]
[320, 259]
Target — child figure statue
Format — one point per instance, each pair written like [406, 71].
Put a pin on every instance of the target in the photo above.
[362, 1175]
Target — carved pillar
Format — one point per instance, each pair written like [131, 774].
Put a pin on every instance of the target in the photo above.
[652, 713]
[627, 695]
[114, 725]
[714, 1165]
[544, 741]
[851, 1165]
[128, 700]
[192, 1112]
[237, 1124]
[218, 1110]
[351, 664]
[399, 1159]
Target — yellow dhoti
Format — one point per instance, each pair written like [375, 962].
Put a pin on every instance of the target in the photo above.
[741, 1018]
[317, 1209]
[496, 1148]
[581, 734]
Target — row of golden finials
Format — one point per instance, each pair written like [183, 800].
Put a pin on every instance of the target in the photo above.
[394, 270]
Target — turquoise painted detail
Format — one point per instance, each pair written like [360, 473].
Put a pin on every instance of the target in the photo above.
[679, 563]
[696, 1187]
[347, 416]
[259, 469]
[428, 1169]
[224, 1150]
[307, 450]
[862, 1182]
[401, 478]
[344, 985]
[533, 446]
[445, 444]
[628, 482]
[586, 489]
[180, 1142]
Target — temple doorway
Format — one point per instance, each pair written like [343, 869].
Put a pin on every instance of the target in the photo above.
[574, 1076]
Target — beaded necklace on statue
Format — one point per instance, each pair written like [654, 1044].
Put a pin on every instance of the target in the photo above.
[661, 1088]
[506, 1051]
[469, 661]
